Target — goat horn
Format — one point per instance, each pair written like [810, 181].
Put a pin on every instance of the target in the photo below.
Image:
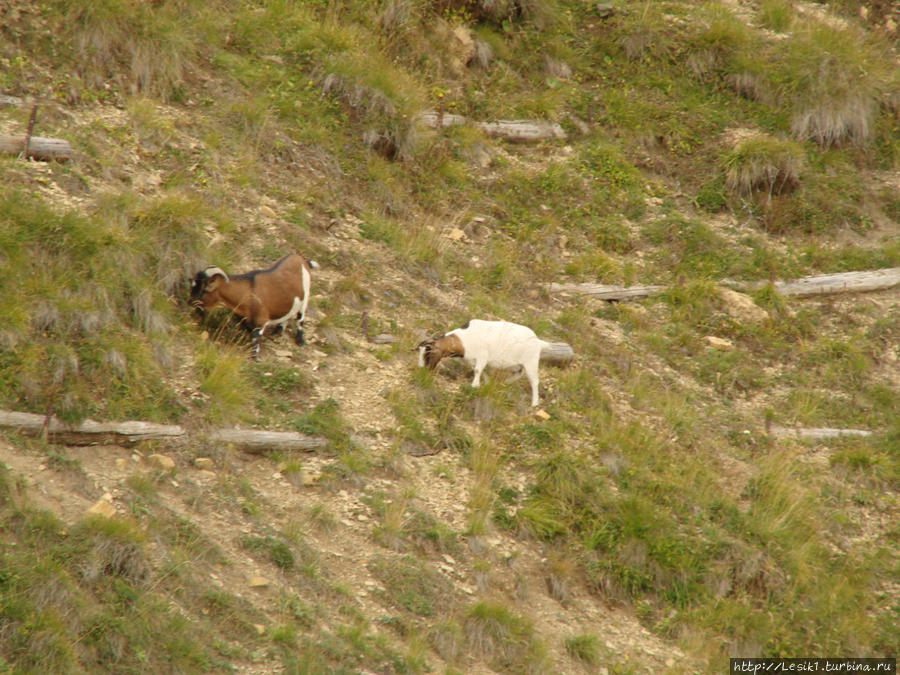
[213, 271]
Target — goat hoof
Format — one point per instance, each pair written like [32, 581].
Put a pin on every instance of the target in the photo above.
[300, 340]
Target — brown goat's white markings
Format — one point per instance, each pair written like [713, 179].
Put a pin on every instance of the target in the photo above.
[263, 299]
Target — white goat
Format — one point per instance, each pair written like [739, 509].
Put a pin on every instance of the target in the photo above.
[498, 344]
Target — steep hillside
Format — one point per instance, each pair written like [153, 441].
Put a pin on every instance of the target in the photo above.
[658, 512]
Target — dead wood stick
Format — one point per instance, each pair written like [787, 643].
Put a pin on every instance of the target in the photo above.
[129, 433]
[608, 292]
[516, 131]
[844, 282]
[37, 147]
[12, 101]
[557, 353]
[823, 284]
[257, 441]
[818, 433]
[31, 119]
[89, 432]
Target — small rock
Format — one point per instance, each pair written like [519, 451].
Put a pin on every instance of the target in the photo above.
[204, 463]
[718, 343]
[163, 462]
[540, 413]
[102, 508]
[308, 479]
[258, 582]
[455, 234]
[741, 306]
[260, 629]
[121, 464]
[267, 211]
[207, 474]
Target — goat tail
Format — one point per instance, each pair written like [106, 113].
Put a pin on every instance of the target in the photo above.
[313, 265]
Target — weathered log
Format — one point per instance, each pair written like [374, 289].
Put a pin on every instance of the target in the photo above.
[608, 292]
[90, 432]
[824, 284]
[39, 148]
[845, 282]
[128, 433]
[557, 353]
[818, 433]
[516, 131]
[438, 120]
[257, 441]
[523, 131]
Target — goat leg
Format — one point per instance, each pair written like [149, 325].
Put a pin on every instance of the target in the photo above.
[257, 338]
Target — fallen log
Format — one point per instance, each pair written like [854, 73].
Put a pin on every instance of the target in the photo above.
[557, 353]
[89, 432]
[39, 148]
[608, 292]
[439, 120]
[824, 284]
[257, 441]
[818, 433]
[522, 131]
[804, 287]
[516, 131]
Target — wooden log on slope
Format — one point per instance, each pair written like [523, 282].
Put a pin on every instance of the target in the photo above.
[557, 353]
[824, 284]
[90, 432]
[129, 433]
[256, 441]
[818, 433]
[516, 131]
[608, 292]
[845, 282]
[522, 131]
[39, 148]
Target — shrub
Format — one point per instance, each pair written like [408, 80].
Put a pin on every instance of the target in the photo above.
[503, 639]
[776, 15]
[834, 79]
[722, 36]
[583, 648]
[763, 164]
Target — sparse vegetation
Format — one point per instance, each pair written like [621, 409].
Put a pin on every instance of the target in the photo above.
[704, 142]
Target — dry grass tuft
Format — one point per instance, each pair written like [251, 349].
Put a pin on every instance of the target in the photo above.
[835, 79]
[763, 164]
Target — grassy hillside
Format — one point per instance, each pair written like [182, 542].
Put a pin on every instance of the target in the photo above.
[645, 519]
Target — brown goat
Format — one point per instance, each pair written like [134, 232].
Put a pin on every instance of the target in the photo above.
[262, 298]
